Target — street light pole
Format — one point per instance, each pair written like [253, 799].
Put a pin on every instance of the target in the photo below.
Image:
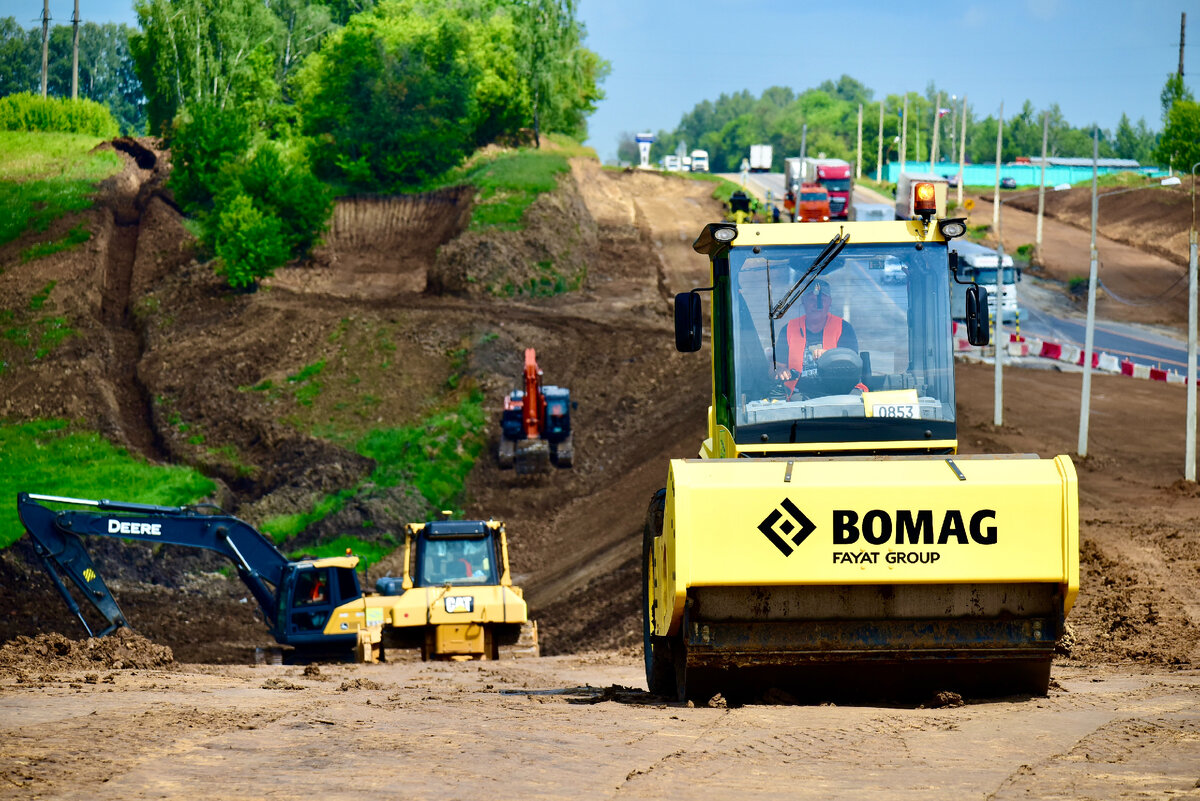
[998, 414]
[879, 158]
[1189, 470]
[1089, 336]
[962, 150]
[1037, 246]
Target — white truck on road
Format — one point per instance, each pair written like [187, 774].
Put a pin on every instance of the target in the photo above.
[699, 161]
[979, 263]
[760, 158]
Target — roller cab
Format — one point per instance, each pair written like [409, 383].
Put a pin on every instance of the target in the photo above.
[830, 539]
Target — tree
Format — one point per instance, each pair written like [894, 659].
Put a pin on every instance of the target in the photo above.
[563, 76]
[389, 97]
[20, 58]
[627, 149]
[106, 70]
[1134, 142]
[1173, 91]
[1179, 145]
[208, 52]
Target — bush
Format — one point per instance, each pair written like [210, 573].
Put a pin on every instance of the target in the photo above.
[204, 143]
[287, 189]
[26, 111]
[249, 244]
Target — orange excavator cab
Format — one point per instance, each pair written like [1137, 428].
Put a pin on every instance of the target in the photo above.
[535, 425]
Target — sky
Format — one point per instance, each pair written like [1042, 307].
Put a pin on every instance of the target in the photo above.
[1095, 58]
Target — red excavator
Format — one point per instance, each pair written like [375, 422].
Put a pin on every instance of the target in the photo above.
[536, 424]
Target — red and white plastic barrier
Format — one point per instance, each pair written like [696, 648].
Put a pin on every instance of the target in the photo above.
[1069, 354]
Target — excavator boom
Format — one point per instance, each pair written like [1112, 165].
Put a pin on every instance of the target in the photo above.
[56, 536]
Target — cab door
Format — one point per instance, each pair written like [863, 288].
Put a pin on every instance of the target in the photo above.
[310, 601]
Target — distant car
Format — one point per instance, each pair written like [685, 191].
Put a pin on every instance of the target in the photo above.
[951, 180]
[1008, 183]
[893, 271]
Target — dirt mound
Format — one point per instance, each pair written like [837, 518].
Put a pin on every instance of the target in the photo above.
[550, 255]
[121, 650]
[1150, 217]
[379, 247]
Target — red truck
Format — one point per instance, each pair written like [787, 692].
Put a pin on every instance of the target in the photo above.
[814, 203]
[834, 175]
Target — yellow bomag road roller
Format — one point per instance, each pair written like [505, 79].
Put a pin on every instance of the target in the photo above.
[830, 540]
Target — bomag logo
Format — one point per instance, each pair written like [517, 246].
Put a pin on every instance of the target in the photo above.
[912, 528]
[787, 527]
[124, 527]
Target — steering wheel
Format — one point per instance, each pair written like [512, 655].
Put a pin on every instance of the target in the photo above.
[839, 370]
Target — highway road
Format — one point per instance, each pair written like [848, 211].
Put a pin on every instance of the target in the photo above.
[762, 182]
[1137, 343]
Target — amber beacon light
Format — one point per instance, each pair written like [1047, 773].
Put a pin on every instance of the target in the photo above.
[924, 200]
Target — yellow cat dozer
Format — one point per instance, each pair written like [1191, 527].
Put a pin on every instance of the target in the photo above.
[831, 540]
[456, 599]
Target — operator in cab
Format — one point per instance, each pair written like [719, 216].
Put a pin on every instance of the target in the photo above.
[806, 338]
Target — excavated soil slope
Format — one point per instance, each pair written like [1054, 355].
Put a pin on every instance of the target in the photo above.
[161, 344]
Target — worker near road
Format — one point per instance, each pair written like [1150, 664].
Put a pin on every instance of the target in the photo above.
[807, 337]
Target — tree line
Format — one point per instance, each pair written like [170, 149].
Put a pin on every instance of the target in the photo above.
[728, 126]
[106, 70]
[271, 107]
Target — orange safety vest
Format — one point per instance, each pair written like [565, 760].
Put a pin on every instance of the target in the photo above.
[797, 339]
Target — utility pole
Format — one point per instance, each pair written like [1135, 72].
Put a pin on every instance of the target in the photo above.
[1189, 470]
[1037, 247]
[45, 42]
[1182, 30]
[999, 139]
[879, 158]
[933, 147]
[75, 54]
[998, 402]
[904, 134]
[953, 124]
[796, 187]
[962, 150]
[858, 169]
[1089, 336]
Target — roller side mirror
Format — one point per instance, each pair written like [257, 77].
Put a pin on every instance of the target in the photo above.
[689, 326]
[977, 315]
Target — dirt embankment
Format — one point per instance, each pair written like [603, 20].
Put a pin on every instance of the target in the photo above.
[1142, 240]
[225, 377]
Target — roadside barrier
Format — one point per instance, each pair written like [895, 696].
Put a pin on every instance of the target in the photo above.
[1019, 346]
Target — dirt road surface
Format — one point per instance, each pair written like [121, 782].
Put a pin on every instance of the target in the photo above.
[92, 719]
[572, 727]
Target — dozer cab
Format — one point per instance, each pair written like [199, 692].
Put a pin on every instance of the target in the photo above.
[535, 425]
[456, 599]
[830, 540]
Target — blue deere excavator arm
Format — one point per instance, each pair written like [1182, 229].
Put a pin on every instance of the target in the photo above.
[56, 536]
